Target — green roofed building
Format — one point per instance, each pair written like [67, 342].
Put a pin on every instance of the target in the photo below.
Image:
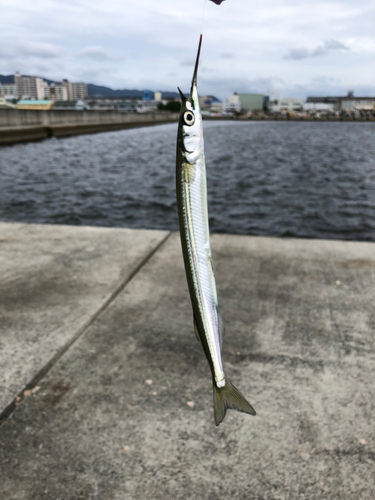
[35, 104]
[242, 103]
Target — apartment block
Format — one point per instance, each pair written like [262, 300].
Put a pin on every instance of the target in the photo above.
[55, 92]
[8, 89]
[75, 90]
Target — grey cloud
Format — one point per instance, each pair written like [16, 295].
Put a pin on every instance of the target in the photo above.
[335, 45]
[187, 62]
[226, 55]
[97, 53]
[12, 48]
[297, 54]
[225, 86]
[319, 85]
[45, 50]
[320, 50]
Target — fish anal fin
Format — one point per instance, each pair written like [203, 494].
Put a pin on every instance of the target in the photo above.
[229, 397]
[196, 330]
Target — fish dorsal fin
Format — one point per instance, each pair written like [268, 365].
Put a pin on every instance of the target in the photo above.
[196, 330]
[221, 328]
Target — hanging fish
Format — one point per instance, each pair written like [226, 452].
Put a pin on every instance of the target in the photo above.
[218, 2]
[195, 240]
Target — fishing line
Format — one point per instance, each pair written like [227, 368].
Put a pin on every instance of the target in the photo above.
[204, 10]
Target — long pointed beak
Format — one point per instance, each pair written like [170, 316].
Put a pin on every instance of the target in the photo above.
[183, 98]
[194, 81]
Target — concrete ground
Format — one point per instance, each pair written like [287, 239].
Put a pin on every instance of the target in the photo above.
[114, 392]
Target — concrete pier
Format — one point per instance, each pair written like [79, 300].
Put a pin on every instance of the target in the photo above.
[30, 125]
[106, 393]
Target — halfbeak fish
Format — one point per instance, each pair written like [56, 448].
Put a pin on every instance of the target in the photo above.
[195, 239]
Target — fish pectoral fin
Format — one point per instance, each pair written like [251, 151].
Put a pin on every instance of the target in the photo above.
[220, 328]
[196, 330]
[229, 397]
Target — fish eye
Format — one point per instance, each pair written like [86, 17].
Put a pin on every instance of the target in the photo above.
[189, 118]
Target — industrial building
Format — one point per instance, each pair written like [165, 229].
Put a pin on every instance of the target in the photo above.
[345, 103]
[357, 103]
[210, 104]
[242, 103]
[285, 104]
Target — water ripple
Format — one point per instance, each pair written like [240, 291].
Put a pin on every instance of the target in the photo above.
[314, 180]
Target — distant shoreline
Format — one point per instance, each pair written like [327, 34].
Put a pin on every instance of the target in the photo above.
[26, 133]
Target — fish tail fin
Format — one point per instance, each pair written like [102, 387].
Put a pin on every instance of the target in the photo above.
[229, 397]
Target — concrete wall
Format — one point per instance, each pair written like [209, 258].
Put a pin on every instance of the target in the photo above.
[27, 118]
[29, 125]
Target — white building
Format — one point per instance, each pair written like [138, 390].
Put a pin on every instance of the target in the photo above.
[318, 106]
[357, 103]
[40, 88]
[210, 104]
[4, 104]
[285, 104]
[232, 104]
[8, 89]
[145, 106]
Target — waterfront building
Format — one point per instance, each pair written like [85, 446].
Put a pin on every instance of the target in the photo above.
[8, 89]
[211, 104]
[318, 106]
[158, 96]
[127, 105]
[74, 105]
[240, 103]
[75, 91]
[350, 102]
[322, 100]
[285, 104]
[146, 105]
[55, 92]
[148, 95]
[34, 104]
[28, 86]
[345, 103]
[4, 104]
[40, 88]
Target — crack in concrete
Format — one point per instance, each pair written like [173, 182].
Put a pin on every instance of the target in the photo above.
[4, 414]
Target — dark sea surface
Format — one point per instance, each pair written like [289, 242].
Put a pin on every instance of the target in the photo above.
[302, 179]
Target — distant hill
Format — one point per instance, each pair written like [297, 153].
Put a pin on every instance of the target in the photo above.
[98, 90]
[6, 79]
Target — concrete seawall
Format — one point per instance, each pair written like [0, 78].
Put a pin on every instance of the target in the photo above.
[105, 391]
[27, 125]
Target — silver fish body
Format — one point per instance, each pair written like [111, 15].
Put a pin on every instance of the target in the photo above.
[191, 192]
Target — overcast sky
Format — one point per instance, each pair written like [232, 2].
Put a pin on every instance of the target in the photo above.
[291, 47]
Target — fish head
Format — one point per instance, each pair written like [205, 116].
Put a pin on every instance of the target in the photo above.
[190, 123]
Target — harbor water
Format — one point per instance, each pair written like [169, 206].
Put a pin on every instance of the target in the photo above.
[295, 179]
